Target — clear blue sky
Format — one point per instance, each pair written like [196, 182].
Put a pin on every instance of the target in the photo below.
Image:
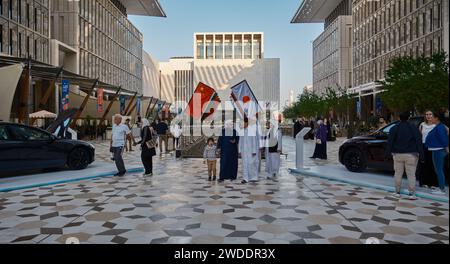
[292, 43]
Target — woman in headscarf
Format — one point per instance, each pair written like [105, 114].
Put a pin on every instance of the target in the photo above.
[227, 145]
[148, 144]
[320, 151]
[273, 148]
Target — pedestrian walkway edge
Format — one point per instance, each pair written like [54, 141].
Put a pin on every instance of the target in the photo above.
[101, 175]
[365, 184]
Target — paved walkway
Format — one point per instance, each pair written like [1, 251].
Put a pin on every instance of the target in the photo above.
[178, 205]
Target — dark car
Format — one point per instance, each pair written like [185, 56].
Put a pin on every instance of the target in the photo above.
[25, 148]
[362, 152]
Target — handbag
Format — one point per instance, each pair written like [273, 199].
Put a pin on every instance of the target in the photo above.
[152, 142]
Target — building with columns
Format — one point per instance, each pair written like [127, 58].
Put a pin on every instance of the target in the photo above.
[222, 60]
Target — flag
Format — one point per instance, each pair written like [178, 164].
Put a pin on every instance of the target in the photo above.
[65, 95]
[211, 106]
[122, 104]
[100, 100]
[197, 108]
[138, 106]
[245, 101]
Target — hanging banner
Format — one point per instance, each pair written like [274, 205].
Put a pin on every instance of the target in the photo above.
[378, 105]
[358, 108]
[122, 104]
[138, 106]
[65, 95]
[100, 100]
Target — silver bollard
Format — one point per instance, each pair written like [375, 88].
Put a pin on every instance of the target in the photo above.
[299, 142]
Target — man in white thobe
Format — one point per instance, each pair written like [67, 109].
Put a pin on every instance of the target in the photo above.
[249, 149]
[273, 150]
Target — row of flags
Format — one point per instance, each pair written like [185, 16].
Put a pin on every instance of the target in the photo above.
[202, 105]
[205, 101]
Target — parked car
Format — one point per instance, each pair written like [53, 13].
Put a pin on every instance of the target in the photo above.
[24, 148]
[368, 151]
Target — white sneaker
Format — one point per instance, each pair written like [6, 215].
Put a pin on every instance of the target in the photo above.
[396, 195]
[438, 192]
[412, 197]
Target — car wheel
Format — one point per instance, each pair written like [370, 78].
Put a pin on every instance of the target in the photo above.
[78, 159]
[354, 160]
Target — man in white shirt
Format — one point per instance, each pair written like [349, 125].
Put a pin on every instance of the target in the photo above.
[120, 134]
[249, 150]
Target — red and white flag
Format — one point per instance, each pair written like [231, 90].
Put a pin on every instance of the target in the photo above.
[203, 102]
[245, 101]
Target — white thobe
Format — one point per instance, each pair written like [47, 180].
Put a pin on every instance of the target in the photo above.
[273, 159]
[249, 149]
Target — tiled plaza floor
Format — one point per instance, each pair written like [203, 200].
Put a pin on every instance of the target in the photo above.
[178, 205]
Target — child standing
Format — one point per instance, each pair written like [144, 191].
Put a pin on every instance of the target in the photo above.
[210, 156]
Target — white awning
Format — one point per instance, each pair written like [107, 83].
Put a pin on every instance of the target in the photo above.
[43, 115]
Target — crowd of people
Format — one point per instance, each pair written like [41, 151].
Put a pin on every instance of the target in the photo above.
[420, 153]
[247, 143]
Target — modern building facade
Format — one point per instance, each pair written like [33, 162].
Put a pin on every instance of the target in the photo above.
[91, 38]
[109, 45]
[24, 29]
[332, 53]
[381, 30]
[222, 60]
[391, 28]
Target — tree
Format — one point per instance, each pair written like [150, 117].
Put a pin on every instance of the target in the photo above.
[417, 83]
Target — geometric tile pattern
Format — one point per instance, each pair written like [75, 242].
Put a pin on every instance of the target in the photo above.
[178, 205]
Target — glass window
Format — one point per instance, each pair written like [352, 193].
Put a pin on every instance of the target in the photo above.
[238, 47]
[27, 133]
[228, 47]
[3, 133]
[209, 49]
[219, 47]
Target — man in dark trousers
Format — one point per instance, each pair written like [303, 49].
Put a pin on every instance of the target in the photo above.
[162, 129]
[405, 146]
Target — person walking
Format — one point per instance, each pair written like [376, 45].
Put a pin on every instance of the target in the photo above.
[298, 126]
[426, 174]
[320, 151]
[210, 158]
[130, 139]
[120, 134]
[312, 126]
[437, 143]
[148, 146]
[405, 146]
[175, 130]
[273, 146]
[162, 130]
[227, 146]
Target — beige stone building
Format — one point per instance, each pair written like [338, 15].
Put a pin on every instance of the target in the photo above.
[222, 60]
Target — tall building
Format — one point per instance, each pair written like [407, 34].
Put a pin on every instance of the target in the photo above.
[332, 50]
[24, 29]
[222, 60]
[391, 28]
[109, 46]
[91, 38]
